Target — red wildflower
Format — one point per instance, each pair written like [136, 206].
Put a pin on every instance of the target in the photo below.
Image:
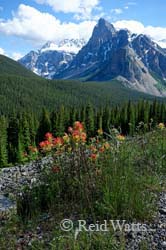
[33, 149]
[101, 150]
[58, 141]
[47, 143]
[48, 136]
[93, 149]
[83, 137]
[55, 169]
[93, 156]
[76, 135]
[78, 126]
[42, 144]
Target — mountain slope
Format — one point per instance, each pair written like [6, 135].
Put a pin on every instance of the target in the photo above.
[47, 63]
[11, 67]
[152, 55]
[20, 94]
[22, 90]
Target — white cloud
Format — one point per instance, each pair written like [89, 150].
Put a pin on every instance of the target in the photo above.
[117, 11]
[39, 27]
[156, 33]
[132, 25]
[16, 55]
[96, 17]
[2, 52]
[83, 8]
[132, 3]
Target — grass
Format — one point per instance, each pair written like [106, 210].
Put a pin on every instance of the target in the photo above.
[106, 178]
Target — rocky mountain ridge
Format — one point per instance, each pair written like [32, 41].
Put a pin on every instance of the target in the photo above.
[52, 57]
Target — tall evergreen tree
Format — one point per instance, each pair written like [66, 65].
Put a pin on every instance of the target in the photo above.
[107, 119]
[3, 142]
[61, 122]
[44, 126]
[24, 139]
[89, 120]
[131, 118]
[13, 139]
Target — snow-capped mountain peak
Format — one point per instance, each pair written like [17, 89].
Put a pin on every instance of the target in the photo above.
[52, 57]
[66, 45]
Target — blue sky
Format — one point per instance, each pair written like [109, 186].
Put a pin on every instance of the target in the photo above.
[27, 24]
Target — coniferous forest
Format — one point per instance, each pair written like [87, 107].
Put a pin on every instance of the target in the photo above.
[20, 132]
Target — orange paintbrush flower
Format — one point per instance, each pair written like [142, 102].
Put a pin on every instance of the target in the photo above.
[58, 141]
[120, 137]
[78, 126]
[93, 156]
[48, 136]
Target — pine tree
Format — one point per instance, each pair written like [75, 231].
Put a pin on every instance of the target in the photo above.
[44, 126]
[89, 120]
[13, 139]
[3, 142]
[61, 122]
[131, 117]
[25, 139]
[108, 117]
[99, 121]
[73, 116]
[33, 125]
[124, 118]
[83, 115]
[54, 122]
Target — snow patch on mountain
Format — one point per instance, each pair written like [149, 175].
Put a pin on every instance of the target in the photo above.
[66, 45]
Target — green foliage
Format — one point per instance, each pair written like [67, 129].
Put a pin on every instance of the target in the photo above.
[11, 67]
[3, 142]
[89, 120]
[26, 129]
[18, 94]
[44, 125]
[121, 184]
[13, 140]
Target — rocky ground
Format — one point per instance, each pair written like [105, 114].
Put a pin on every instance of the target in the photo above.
[154, 237]
[13, 179]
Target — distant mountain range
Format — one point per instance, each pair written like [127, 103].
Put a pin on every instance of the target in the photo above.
[135, 60]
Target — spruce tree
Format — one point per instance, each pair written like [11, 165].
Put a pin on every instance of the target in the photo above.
[13, 139]
[3, 142]
[25, 139]
[89, 120]
[131, 117]
[44, 126]
[61, 122]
